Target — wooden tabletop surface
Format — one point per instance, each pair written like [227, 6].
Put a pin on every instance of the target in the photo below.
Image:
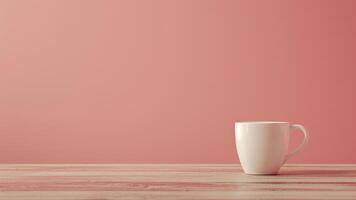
[172, 181]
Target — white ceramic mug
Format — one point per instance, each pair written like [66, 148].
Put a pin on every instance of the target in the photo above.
[262, 146]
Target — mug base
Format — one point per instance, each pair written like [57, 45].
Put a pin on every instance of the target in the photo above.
[266, 173]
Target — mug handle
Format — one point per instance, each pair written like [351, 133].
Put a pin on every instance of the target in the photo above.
[300, 147]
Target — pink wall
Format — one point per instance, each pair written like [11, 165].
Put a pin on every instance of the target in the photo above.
[164, 81]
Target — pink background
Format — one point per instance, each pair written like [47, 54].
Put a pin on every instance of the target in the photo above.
[164, 81]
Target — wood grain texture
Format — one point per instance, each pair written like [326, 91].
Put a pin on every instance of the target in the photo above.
[172, 181]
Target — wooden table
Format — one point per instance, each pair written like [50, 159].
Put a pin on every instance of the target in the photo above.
[166, 181]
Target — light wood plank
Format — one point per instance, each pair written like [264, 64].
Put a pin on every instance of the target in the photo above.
[173, 181]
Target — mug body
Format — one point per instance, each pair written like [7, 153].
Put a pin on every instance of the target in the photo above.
[262, 146]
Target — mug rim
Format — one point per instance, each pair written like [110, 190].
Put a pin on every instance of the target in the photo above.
[261, 122]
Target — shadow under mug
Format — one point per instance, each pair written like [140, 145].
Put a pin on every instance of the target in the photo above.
[262, 146]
